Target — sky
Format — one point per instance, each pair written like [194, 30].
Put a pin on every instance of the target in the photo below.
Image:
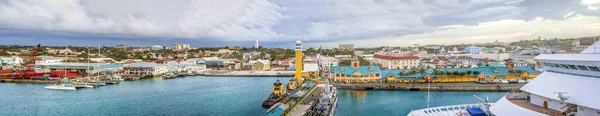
[278, 23]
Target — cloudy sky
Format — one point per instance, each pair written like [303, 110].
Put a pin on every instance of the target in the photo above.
[277, 23]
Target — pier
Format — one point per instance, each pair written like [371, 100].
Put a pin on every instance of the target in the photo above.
[433, 87]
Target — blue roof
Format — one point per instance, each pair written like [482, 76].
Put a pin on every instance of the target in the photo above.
[350, 71]
[277, 111]
[489, 71]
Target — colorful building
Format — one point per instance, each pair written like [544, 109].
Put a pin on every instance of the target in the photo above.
[460, 74]
[356, 73]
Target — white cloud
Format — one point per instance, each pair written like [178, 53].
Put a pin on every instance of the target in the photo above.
[503, 30]
[323, 21]
[224, 19]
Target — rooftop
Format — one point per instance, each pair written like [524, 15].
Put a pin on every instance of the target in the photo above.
[396, 57]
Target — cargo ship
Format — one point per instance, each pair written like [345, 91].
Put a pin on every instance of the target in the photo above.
[277, 95]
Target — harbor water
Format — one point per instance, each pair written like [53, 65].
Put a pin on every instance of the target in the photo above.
[209, 96]
[400, 103]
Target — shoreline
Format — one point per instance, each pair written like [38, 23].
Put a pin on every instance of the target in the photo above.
[474, 87]
[227, 73]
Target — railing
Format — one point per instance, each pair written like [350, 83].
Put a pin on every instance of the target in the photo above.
[444, 110]
[517, 96]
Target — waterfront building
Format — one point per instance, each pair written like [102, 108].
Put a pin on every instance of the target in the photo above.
[310, 71]
[349, 47]
[563, 89]
[82, 69]
[396, 62]
[472, 50]
[444, 75]
[145, 69]
[356, 73]
[261, 65]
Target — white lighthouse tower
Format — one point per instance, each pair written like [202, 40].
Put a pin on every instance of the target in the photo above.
[256, 44]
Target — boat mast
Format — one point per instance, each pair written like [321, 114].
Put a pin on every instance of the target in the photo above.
[98, 63]
[67, 57]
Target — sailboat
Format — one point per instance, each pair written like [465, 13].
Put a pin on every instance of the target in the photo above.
[66, 85]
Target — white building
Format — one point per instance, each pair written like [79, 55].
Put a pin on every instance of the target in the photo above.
[326, 62]
[146, 68]
[396, 62]
[472, 50]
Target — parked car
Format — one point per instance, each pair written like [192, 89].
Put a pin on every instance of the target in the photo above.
[482, 82]
[496, 81]
[504, 82]
[522, 81]
[513, 81]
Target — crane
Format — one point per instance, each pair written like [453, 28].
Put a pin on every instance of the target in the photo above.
[29, 71]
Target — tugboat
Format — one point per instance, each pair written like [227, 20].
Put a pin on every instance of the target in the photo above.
[276, 96]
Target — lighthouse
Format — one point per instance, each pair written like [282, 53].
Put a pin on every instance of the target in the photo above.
[256, 44]
[297, 80]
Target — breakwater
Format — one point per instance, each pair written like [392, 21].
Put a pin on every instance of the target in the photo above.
[433, 87]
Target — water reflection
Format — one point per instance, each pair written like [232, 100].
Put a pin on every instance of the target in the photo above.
[357, 95]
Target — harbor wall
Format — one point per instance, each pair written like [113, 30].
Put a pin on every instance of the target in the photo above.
[433, 87]
[246, 73]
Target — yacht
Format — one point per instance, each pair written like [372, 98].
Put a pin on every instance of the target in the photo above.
[565, 88]
[63, 86]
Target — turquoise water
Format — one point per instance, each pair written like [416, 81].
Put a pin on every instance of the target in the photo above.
[400, 103]
[214, 96]
[208, 96]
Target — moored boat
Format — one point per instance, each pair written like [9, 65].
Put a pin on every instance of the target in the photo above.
[276, 96]
[63, 86]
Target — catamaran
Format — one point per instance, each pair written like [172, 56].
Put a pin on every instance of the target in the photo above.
[66, 85]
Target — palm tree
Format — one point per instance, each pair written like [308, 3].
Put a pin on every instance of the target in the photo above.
[476, 73]
[448, 73]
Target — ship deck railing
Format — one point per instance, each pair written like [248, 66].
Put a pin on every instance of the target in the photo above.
[444, 110]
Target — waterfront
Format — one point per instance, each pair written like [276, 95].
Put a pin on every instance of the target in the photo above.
[233, 96]
[400, 103]
[204, 96]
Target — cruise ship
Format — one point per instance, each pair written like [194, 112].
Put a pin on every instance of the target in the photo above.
[567, 87]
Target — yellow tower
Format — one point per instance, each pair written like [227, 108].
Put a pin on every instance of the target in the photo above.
[297, 80]
[278, 89]
[298, 50]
